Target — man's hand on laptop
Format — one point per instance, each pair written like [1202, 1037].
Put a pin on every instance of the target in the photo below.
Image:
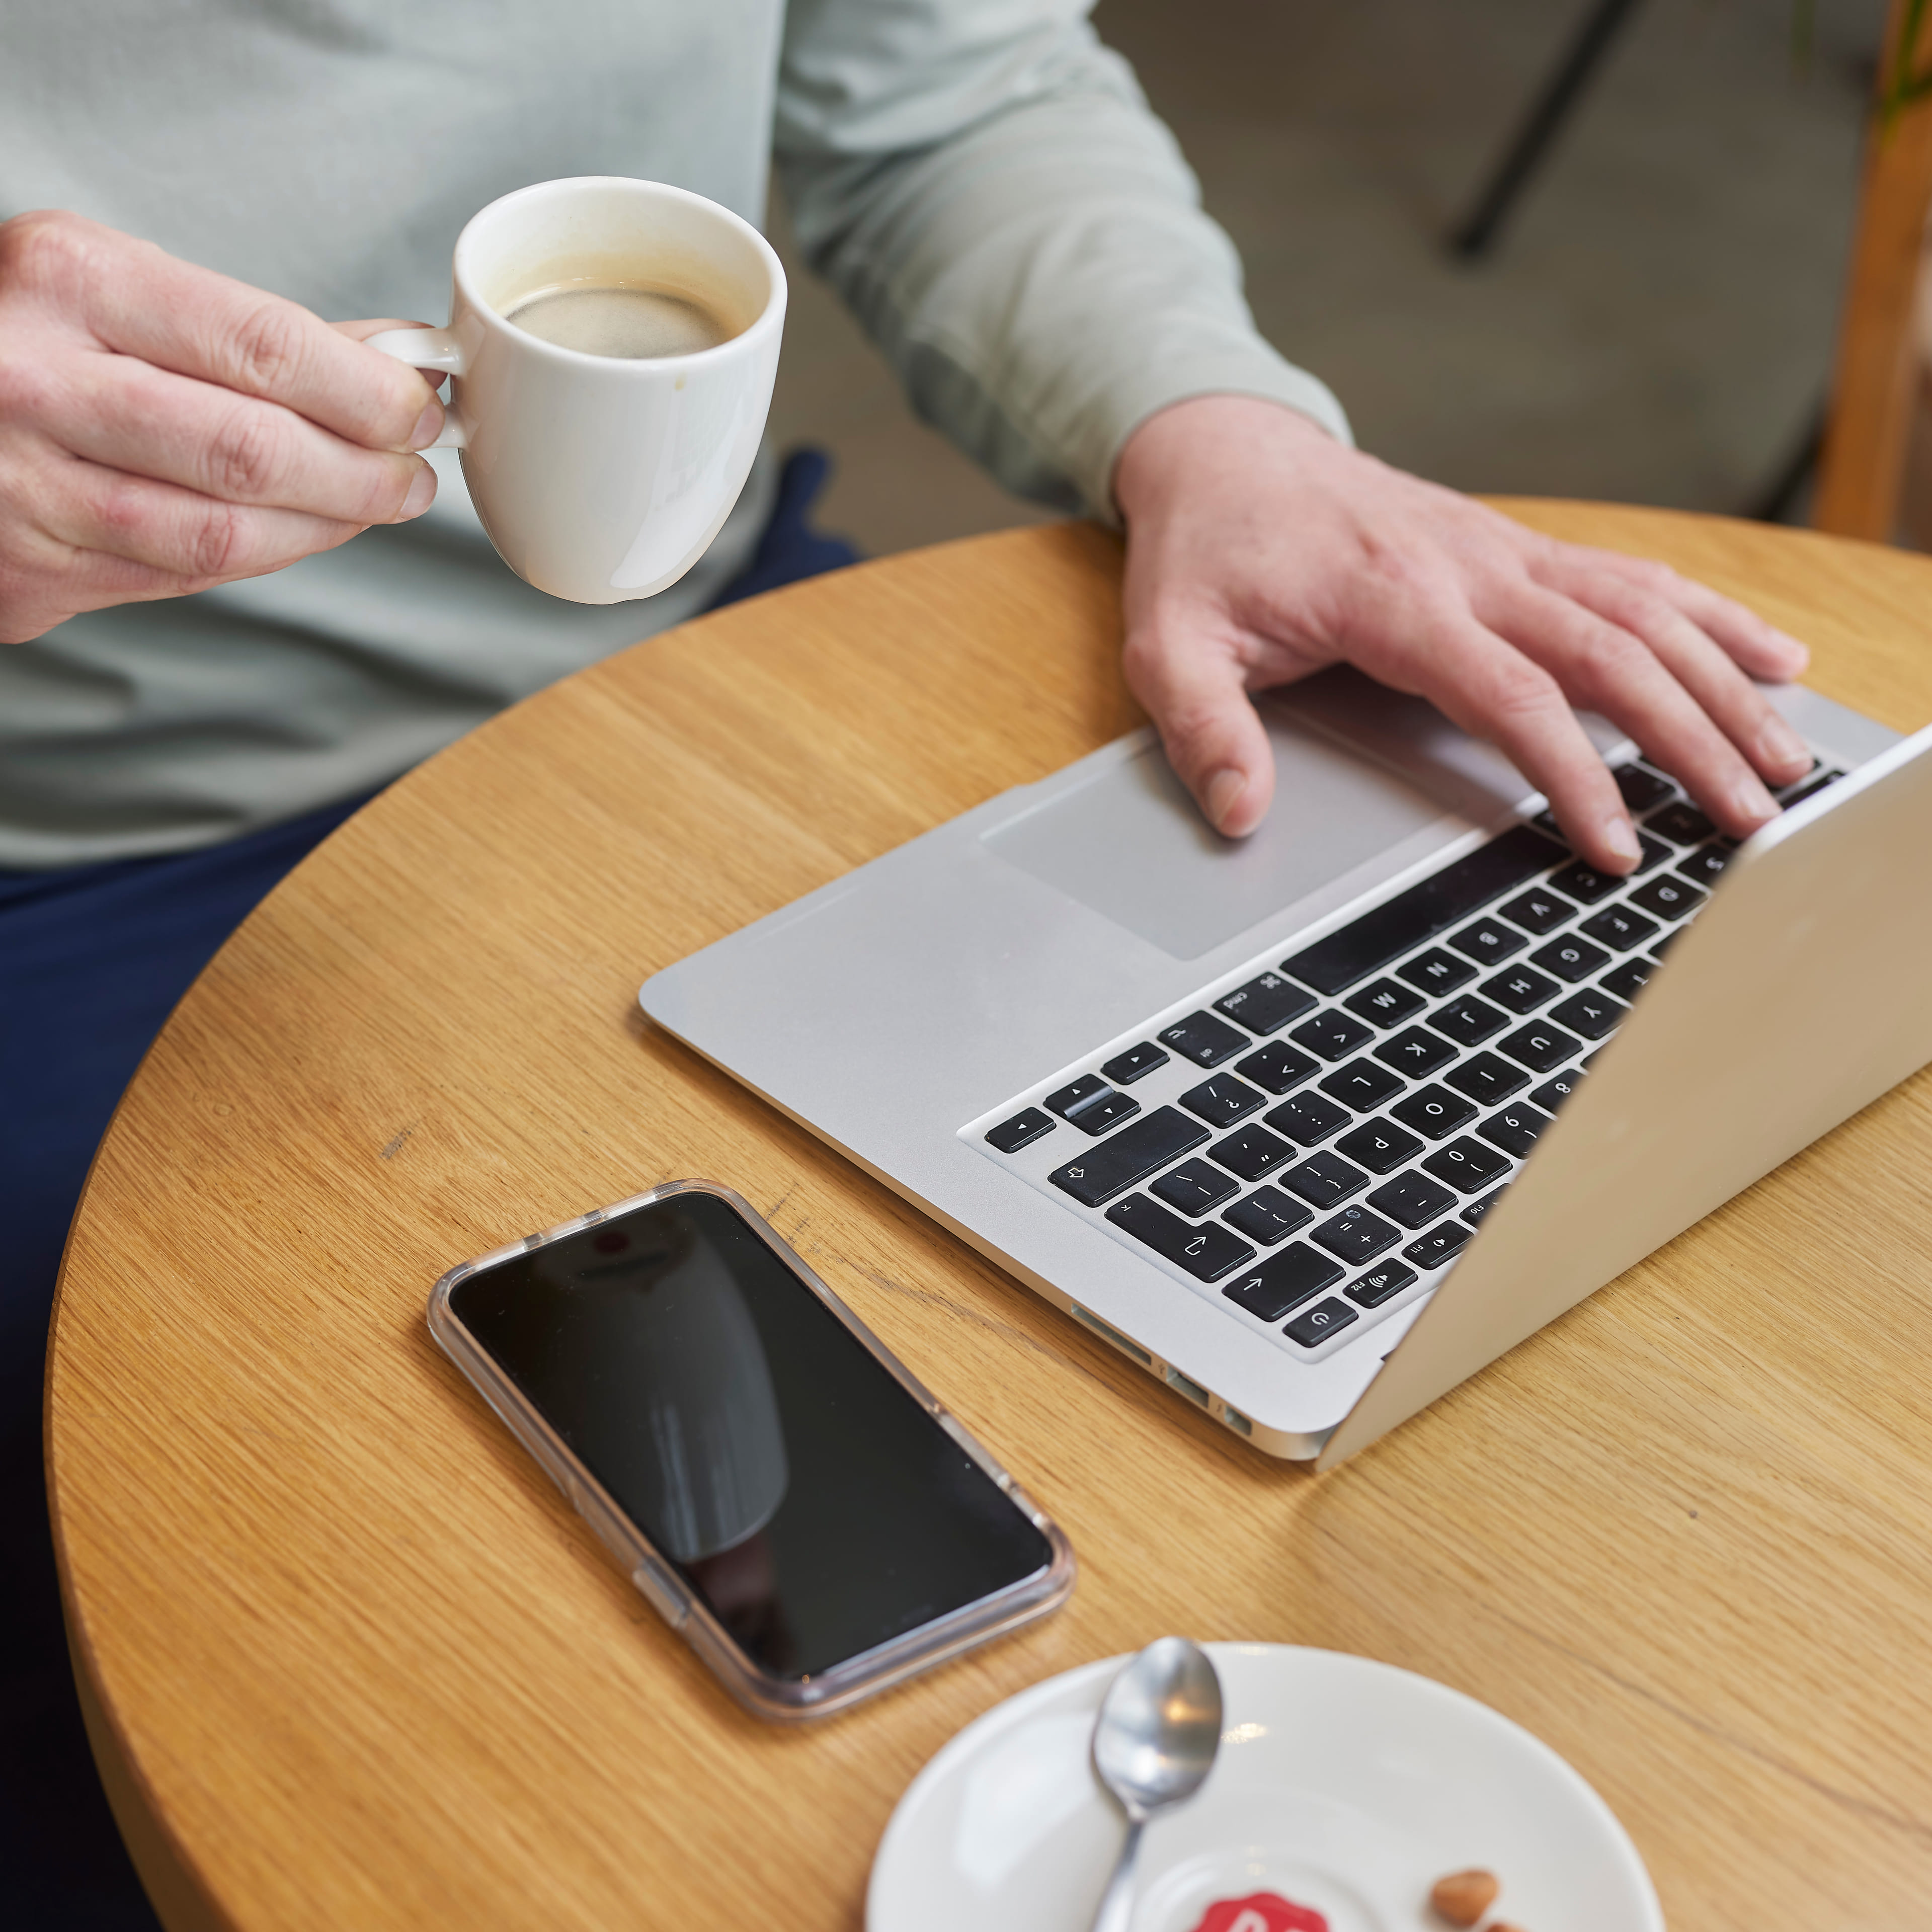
[1260, 550]
[164, 428]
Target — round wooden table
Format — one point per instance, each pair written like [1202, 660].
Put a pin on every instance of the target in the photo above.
[351, 1662]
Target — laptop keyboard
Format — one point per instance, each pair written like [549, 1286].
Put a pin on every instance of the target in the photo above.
[1317, 1143]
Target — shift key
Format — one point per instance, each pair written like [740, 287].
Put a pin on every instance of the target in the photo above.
[1206, 1250]
[1096, 1175]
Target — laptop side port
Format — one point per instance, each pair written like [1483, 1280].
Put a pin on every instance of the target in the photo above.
[1192, 1390]
[1236, 1420]
[1112, 1334]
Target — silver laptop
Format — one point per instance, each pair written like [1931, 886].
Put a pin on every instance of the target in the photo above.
[1313, 1126]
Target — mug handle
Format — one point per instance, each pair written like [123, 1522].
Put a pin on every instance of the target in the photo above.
[427, 349]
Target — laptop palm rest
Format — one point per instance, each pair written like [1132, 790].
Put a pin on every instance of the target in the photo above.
[1359, 771]
[1129, 844]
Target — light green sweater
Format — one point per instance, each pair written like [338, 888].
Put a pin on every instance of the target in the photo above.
[980, 179]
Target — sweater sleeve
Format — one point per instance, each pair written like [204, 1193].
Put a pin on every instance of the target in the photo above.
[986, 185]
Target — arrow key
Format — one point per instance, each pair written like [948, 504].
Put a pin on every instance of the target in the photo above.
[1275, 1287]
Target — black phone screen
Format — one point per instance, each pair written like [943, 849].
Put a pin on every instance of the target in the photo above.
[813, 1504]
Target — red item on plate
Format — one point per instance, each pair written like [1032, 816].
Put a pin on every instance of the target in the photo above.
[1260, 1912]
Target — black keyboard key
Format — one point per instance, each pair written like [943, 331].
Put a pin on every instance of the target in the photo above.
[1204, 1039]
[1252, 1153]
[1278, 1066]
[1590, 1013]
[1641, 789]
[1705, 867]
[1361, 1085]
[1413, 1199]
[1356, 1235]
[1467, 1165]
[1485, 1078]
[1434, 1111]
[1193, 1187]
[1681, 823]
[1323, 1179]
[1617, 926]
[1799, 793]
[1439, 1245]
[1126, 1068]
[1552, 1093]
[1380, 1146]
[1386, 1003]
[1022, 1130]
[1307, 1119]
[1435, 971]
[1515, 1129]
[1670, 938]
[1265, 1005]
[1473, 1211]
[1097, 1174]
[1468, 1021]
[1540, 1046]
[1368, 944]
[1278, 1284]
[1070, 1100]
[1268, 1215]
[1323, 1319]
[1488, 941]
[1333, 1035]
[1571, 959]
[1585, 882]
[1667, 897]
[1207, 1250]
[1415, 1051]
[1522, 988]
[1380, 1284]
[1654, 852]
[1539, 910]
[1098, 1116]
[1222, 1100]
[1628, 980]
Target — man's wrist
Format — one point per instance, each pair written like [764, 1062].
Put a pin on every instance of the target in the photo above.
[1199, 434]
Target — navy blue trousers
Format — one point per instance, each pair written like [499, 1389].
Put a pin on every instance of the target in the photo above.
[92, 960]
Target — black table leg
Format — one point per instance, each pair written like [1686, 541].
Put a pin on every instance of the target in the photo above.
[1476, 235]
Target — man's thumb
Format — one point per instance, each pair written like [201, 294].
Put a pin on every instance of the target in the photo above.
[1214, 739]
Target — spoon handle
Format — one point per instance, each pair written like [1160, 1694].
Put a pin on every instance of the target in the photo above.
[1118, 1906]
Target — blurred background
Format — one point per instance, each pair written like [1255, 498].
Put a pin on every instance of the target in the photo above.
[1655, 322]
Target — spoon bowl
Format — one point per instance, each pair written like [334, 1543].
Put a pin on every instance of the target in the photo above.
[1154, 1743]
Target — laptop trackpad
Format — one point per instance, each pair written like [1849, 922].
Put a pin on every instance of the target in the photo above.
[1128, 842]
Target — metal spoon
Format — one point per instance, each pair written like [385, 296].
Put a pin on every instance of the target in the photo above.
[1154, 1741]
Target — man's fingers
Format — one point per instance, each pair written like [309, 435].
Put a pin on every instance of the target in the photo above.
[141, 301]
[129, 415]
[1197, 696]
[1757, 647]
[1708, 673]
[1603, 667]
[102, 512]
[1492, 690]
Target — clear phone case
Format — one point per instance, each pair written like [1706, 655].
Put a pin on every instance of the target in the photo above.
[657, 1578]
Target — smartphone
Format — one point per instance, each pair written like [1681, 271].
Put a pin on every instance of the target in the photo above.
[775, 1482]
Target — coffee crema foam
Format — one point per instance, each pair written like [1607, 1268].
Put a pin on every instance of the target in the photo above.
[628, 322]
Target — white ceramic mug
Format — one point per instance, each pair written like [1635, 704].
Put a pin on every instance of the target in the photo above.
[599, 478]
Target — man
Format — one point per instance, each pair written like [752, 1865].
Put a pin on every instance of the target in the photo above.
[207, 673]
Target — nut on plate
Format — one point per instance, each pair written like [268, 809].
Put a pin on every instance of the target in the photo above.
[1463, 1897]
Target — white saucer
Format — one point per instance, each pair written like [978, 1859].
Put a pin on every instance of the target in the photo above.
[1342, 1784]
